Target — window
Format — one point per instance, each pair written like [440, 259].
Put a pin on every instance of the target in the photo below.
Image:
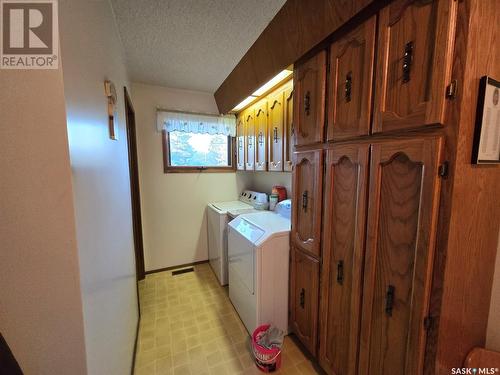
[195, 152]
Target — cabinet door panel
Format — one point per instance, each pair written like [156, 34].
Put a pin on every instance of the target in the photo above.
[306, 207]
[413, 63]
[249, 117]
[309, 99]
[276, 113]
[350, 83]
[304, 298]
[402, 213]
[289, 130]
[261, 135]
[343, 249]
[240, 142]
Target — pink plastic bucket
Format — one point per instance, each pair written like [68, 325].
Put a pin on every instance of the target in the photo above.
[267, 360]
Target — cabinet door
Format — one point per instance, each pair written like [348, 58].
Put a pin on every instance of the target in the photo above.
[249, 117]
[413, 63]
[306, 207]
[304, 298]
[261, 135]
[401, 230]
[240, 142]
[309, 99]
[350, 83]
[289, 131]
[276, 130]
[343, 251]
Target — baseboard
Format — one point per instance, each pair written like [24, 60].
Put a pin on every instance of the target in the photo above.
[135, 344]
[175, 267]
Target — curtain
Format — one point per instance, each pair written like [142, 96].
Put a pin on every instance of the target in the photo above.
[196, 123]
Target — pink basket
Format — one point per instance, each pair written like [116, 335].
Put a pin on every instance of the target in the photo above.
[267, 360]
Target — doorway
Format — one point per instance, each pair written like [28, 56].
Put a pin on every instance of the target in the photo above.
[134, 186]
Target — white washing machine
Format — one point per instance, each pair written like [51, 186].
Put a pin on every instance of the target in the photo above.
[217, 219]
[258, 249]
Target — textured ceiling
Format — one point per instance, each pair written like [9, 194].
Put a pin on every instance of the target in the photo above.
[189, 44]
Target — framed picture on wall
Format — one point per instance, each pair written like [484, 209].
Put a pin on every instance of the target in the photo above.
[486, 146]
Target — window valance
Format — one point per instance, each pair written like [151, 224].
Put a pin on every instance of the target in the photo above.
[196, 123]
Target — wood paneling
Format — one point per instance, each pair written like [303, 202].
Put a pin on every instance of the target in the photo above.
[402, 215]
[276, 129]
[309, 100]
[296, 28]
[413, 63]
[304, 298]
[289, 131]
[249, 120]
[343, 250]
[350, 83]
[261, 135]
[240, 142]
[307, 201]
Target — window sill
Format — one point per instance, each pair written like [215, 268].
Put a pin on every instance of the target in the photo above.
[169, 169]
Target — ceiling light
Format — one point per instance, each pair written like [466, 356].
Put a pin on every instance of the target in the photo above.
[273, 82]
[244, 103]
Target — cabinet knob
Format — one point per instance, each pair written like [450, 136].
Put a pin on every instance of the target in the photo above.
[261, 138]
[307, 103]
[407, 61]
[275, 132]
[305, 200]
[348, 87]
[340, 272]
[389, 299]
[302, 298]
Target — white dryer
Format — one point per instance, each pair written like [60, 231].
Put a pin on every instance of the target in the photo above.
[258, 248]
[217, 219]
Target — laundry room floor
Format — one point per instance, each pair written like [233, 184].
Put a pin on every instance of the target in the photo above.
[189, 327]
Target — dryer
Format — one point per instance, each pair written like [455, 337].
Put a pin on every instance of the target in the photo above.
[258, 249]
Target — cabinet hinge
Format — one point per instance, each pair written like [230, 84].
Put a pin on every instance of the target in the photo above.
[443, 170]
[451, 90]
[428, 323]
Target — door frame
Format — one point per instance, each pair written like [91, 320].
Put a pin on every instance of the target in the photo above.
[135, 194]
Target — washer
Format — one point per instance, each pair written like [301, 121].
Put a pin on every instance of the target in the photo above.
[258, 249]
[217, 219]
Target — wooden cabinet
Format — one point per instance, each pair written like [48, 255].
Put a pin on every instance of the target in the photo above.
[309, 100]
[343, 250]
[350, 83]
[401, 230]
[304, 298]
[288, 130]
[240, 142]
[261, 135]
[413, 63]
[307, 201]
[249, 121]
[276, 118]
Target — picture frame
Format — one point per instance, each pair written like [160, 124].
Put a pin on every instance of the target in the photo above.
[486, 144]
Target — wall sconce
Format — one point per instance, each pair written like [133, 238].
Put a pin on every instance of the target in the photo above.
[110, 91]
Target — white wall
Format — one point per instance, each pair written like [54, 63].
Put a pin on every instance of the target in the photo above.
[91, 53]
[40, 300]
[173, 205]
[264, 181]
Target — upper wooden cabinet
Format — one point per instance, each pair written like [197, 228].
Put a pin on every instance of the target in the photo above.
[249, 121]
[304, 287]
[260, 110]
[350, 83]
[309, 100]
[240, 142]
[344, 223]
[276, 118]
[415, 43]
[307, 201]
[401, 231]
[289, 131]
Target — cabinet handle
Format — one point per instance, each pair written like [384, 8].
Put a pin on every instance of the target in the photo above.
[250, 143]
[389, 299]
[407, 61]
[348, 87]
[261, 140]
[240, 144]
[275, 131]
[307, 103]
[305, 199]
[302, 298]
[340, 272]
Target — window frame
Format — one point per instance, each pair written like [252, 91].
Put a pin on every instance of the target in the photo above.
[167, 168]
